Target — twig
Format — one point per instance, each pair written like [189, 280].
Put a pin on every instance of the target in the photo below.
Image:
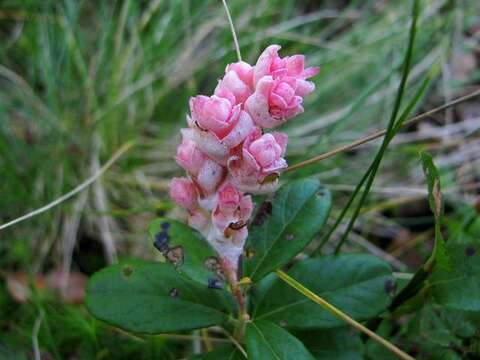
[341, 315]
[76, 190]
[232, 28]
[380, 133]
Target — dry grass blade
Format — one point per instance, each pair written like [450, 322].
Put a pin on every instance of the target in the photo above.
[380, 133]
[75, 191]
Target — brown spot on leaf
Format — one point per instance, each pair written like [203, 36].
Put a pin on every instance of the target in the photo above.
[175, 255]
[469, 251]
[214, 283]
[127, 271]
[174, 293]
[390, 287]
[263, 213]
[249, 253]
[165, 225]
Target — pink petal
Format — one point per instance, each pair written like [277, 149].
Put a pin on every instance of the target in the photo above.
[243, 127]
[210, 176]
[295, 65]
[223, 92]
[183, 192]
[311, 71]
[243, 70]
[304, 87]
[262, 67]
[281, 139]
[236, 86]
[210, 145]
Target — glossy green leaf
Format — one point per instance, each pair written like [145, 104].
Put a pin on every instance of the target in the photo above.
[282, 228]
[266, 340]
[358, 284]
[459, 287]
[151, 297]
[186, 249]
[339, 344]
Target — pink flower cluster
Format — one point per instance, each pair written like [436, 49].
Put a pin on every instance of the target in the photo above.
[225, 151]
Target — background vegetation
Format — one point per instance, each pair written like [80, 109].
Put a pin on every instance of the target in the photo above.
[79, 79]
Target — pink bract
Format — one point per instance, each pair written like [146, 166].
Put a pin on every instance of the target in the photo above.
[183, 192]
[258, 166]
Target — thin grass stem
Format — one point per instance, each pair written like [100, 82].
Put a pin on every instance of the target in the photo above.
[341, 315]
[232, 28]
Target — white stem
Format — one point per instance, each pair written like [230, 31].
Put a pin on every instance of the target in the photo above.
[232, 28]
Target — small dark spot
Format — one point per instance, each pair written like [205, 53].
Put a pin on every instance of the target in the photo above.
[174, 293]
[165, 225]
[390, 287]
[283, 323]
[127, 271]
[215, 284]
[252, 290]
[249, 253]
[237, 225]
[469, 251]
[320, 193]
[263, 212]
[289, 237]
[175, 255]
[161, 241]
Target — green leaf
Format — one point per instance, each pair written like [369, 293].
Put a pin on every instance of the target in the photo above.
[358, 284]
[191, 253]
[265, 340]
[459, 288]
[151, 297]
[338, 344]
[439, 254]
[283, 228]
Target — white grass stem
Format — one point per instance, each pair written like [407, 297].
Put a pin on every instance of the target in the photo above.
[75, 191]
[232, 28]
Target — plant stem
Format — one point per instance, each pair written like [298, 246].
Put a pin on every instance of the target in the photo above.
[341, 315]
[232, 278]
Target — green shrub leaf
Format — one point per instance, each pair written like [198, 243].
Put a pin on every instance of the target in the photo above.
[282, 228]
[459, 288]
[338, 344]
[358, 284]
[186, 249]
[268, 341]
[151, 297]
